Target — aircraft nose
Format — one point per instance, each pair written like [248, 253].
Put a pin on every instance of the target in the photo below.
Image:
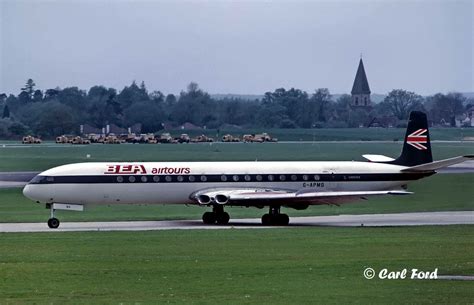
[28, 192]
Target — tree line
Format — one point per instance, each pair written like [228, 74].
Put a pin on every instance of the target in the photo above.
[60, 111]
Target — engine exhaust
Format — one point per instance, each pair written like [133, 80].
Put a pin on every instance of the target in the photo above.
[221, 199]
[204, 199]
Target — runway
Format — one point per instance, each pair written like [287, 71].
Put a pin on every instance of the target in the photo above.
[368, 220]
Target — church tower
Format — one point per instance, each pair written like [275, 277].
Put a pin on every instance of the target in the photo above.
[360, 89]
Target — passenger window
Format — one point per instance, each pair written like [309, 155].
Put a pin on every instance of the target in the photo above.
[168, 178]
[271, 178]
[191, 178]
[282, 177]
[119, 179]
[259, 177]
[203, 178]
[156, 178]
[223, 178]
[293, 177]
[235, 178]
[305, 177]
[131, 179]
[247, 178]
[180, 178]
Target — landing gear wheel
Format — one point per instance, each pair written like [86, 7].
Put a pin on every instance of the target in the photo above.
[266, 220]
[53, 223]
[208, 218]
[282, 220]
[275, 218]
[222, 218]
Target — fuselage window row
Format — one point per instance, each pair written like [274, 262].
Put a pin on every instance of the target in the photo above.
[203, 178]
[227, 178]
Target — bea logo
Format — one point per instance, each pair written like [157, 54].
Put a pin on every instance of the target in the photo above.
[126, 169]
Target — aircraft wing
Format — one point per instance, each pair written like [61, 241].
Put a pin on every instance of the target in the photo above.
[262, 197]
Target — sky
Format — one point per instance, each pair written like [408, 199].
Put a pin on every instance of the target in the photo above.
[240, 47]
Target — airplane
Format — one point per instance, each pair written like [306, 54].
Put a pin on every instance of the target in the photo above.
[291, 184]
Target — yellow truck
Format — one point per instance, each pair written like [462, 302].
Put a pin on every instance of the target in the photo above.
[31, 140]
[62, 139]
[112, 139]
[259, 138]
[202, 139]
[230, 138]
[80, 141]
[166, 138]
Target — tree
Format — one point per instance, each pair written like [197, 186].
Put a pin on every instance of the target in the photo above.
[3, 98]
[29, 88]
[291, 102]
[17, 128]
[148, 113]
[157, 97]
[102, 106]
[322, 99]
[402, 102]
[170, 100]
[132, 94]
[37, 96]
[194, 106]
[51, 94]
[73, 97]
[55, 119]
[23, 97]
[6, 112]
[446, 107]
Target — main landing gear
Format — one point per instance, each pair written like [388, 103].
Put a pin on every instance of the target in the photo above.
[53, 222]
[217, 216]
[275, 218]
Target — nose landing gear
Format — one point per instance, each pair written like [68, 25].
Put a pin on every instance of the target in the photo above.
[53, 223]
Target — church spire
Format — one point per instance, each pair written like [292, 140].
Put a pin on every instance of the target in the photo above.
[360, 89]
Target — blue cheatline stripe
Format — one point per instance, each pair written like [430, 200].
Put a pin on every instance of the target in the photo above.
[228, 178]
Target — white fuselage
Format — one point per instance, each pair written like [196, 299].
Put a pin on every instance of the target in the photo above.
[175, 182]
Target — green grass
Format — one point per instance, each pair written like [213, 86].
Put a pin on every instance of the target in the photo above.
[442, 192]
[279, 266]
[336, 134]
[42, 157]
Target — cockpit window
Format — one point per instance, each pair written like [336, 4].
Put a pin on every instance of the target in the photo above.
[38, 179]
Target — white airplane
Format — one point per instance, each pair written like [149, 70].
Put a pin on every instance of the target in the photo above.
[258, 184]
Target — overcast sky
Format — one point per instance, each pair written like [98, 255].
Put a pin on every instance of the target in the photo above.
[245, 47]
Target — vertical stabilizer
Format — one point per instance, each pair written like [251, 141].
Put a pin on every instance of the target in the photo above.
[416, 147]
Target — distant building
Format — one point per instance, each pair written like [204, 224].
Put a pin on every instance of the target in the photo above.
[360, 89]
[112, 128]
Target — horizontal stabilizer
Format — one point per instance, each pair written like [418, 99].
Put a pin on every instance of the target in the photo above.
[378, 158]
[438, 164]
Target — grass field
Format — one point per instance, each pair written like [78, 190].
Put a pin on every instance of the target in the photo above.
[442, 192]
[41, 157]
[337, 134]
[279, 266]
